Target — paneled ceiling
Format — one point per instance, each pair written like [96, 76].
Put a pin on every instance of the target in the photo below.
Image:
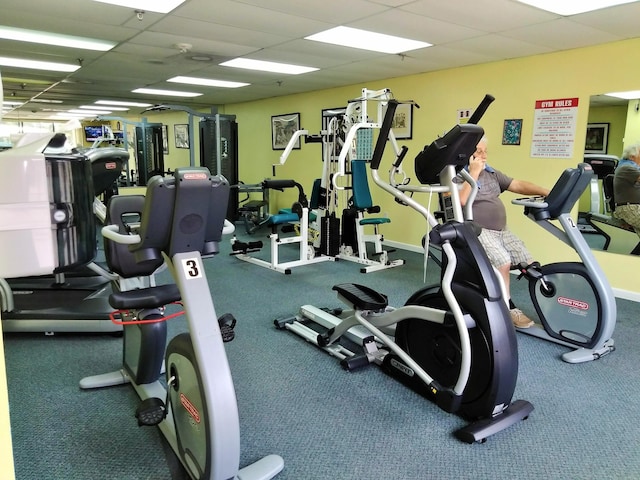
[463, 32]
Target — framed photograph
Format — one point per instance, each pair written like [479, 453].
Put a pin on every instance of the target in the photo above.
[182, 135]
[165, 139]
[512, 131]
[597, 138]
[402, 125]
[282, 129]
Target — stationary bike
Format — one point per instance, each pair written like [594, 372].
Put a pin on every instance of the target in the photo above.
[454, 342]
[574, 300]
[181, 222]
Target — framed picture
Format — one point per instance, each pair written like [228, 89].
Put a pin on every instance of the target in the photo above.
[512, 131]
[597, 138]
[282, 129]
[165, 139]
[403, 121]
[182, 135]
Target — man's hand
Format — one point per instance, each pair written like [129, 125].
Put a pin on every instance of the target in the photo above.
[476, 165]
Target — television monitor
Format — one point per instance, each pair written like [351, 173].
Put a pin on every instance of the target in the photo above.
[93, 132]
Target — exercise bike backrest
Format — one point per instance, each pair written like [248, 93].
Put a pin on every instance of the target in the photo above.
[183, 213]
[563, 196]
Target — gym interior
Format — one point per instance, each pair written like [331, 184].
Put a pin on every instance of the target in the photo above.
[295, 402]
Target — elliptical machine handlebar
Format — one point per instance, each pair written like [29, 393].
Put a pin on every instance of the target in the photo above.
[479, 111]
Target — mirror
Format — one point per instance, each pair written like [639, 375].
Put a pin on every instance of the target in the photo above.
[611, 123]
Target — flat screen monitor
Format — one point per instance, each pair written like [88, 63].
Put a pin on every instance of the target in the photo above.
[93, 132]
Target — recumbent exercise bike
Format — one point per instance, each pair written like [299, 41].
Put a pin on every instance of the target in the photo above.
[181, 221]
[453, 343]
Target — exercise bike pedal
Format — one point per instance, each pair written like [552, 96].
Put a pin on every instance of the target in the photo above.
[227, 323]
[151, 412]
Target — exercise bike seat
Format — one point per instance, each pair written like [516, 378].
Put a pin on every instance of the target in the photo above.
[151, 297]
[361, 297]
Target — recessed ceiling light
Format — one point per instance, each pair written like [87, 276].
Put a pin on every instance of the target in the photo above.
[44, 100]
[124, 104]
[267, 66]
[630, 95]
[81, 111]
[73, 115]
[100, 107]
[167, 93]
[7, 102]
[34, 36]
[575, 7]
[201, 58]
[207, 82]
[159, 6]
[365, 40]
[37, 65]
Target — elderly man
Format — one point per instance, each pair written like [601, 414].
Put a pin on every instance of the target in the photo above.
[503, 247]
[626, 187]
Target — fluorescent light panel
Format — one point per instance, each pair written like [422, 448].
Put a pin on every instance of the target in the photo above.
[81, 111]
[207, 82]
[158, 6]
[365, 40]
[264, 66]
[630, 95]
[37, 65]
[167, 93]
[123, 104]
[573, 7]
[34, 36]
[100, 107]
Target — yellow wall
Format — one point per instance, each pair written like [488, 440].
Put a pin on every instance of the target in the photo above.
[632, 130]
[616, 117]
[6, 451]
[516, 84]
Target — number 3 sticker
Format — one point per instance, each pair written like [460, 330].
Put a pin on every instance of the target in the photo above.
[191, 268]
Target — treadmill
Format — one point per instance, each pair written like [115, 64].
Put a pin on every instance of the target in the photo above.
[48, 237]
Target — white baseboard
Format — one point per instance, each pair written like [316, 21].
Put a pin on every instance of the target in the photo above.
[619, 293]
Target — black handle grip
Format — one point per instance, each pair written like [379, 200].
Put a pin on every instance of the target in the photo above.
[403, 151]
[479, 112]
[383, 135]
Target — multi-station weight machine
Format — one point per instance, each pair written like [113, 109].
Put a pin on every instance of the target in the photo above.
[341, 206]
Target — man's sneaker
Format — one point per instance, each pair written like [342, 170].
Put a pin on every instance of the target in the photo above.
[519, 319]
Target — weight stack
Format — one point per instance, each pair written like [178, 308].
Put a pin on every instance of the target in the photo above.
[349, 235]
[330, 235]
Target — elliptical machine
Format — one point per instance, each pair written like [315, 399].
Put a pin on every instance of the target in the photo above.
[574, 300]
[452, 343]
[182, 222]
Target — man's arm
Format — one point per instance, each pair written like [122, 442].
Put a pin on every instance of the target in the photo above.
[522, 187]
